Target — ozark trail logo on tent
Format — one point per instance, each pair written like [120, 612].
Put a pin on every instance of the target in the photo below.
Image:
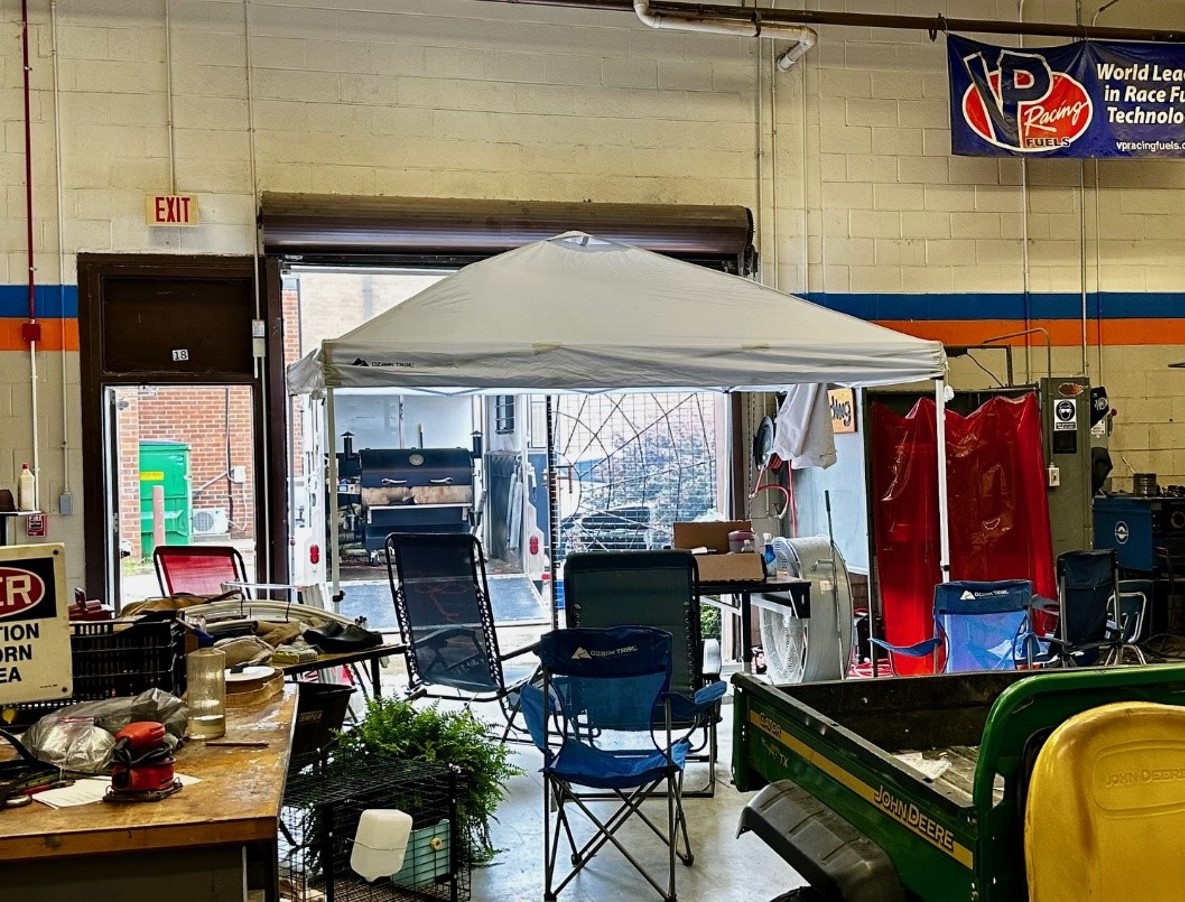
[581, 655]
[1023, 104]
[967, 595]
[359, 361]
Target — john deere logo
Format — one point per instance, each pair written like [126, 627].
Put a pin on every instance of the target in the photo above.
[1023, 104]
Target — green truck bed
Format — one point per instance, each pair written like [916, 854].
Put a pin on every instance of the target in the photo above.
[929, 772]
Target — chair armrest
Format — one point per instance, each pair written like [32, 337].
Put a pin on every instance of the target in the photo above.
[533, 648]
[683, 708]
[1047, 605]
[920, 650]
[443, 634]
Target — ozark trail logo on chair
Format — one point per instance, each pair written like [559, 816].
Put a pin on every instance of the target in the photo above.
[1023, 104]
[583, 654]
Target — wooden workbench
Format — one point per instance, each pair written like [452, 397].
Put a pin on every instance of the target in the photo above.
[202, 842]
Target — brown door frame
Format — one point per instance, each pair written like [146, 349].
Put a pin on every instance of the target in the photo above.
[93, 270]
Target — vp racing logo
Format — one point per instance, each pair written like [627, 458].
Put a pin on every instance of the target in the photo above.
[1023, 105]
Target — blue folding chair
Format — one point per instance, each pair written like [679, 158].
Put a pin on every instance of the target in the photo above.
[601, 729]
[651, 588]
[977, 626]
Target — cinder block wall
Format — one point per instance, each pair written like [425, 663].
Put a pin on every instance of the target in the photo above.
[845, 160]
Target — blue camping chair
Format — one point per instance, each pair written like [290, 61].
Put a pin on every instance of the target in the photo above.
[651, 588]
[599, 730]
[442, 605]
[978, 625]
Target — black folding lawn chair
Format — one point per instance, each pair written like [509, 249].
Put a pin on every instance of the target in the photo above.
[442, 605]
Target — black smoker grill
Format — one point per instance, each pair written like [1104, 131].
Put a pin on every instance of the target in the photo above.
[414, 490]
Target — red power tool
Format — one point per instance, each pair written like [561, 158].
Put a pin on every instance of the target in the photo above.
[142, 768]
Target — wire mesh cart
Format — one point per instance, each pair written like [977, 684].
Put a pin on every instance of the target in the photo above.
[322, 807]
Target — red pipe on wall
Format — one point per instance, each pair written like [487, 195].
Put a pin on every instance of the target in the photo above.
[28, 166]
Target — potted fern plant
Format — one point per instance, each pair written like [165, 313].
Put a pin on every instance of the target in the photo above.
[393, 727]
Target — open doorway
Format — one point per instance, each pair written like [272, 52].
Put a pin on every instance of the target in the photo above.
[170, 349]
[183, 473]
[626, 466]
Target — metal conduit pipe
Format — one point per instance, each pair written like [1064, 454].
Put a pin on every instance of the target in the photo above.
[804, 38]
[932, 24]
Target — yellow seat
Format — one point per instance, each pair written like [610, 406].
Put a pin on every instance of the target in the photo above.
[1105, 816]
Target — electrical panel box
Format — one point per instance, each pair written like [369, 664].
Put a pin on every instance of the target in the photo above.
[1065, 419]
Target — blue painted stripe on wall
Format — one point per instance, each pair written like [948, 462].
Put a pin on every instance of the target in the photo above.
[1108, 305]
[54, 301]
[50, 301]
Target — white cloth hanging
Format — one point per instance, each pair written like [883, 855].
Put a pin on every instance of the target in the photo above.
[803, 435]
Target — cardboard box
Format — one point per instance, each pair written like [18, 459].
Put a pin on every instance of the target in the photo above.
[719, 565]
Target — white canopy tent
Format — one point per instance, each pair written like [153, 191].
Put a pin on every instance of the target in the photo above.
[575, 313]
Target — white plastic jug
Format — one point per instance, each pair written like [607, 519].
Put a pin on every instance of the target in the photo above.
[26, 490]
[380, 842]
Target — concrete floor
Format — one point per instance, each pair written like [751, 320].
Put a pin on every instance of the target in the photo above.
[726, 868]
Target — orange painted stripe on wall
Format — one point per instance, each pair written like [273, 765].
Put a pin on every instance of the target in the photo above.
[56, 335]
[1062, 332]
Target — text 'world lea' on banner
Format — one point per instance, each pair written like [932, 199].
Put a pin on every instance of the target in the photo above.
[1086, 100]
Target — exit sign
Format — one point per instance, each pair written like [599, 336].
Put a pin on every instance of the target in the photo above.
[171, 209]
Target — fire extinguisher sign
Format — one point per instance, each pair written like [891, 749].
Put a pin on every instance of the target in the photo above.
[35, 662]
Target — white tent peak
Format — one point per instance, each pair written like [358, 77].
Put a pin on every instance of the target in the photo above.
[579, 313]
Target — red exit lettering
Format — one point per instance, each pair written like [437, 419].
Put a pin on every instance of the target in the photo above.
[172, 209]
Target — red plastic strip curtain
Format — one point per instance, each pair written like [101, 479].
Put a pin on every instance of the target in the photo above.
[905, 489]
[999, 512]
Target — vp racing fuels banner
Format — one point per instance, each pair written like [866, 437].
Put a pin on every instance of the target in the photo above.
[1089, 99]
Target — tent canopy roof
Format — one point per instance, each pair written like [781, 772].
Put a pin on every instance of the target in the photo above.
[576, 313]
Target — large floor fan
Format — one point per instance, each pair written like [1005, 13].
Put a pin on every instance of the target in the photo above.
[806, 649]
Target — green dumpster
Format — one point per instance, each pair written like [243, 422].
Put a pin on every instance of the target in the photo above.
[166, 464]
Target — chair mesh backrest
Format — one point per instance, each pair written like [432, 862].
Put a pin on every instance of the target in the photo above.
[198, 570]
[1087, 580]
[606, 683]
[644, 588]
[442, 605]
[983, 622]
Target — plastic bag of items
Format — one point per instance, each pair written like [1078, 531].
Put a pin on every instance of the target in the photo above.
[81, 737]
[244, 650]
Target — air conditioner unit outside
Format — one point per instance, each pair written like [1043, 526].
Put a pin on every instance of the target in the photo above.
[210, 521]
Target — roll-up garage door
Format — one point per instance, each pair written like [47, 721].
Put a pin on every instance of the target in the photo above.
[416, 231]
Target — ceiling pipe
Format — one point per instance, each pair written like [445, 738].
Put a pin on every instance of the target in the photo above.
[804, 38]
[934, 25]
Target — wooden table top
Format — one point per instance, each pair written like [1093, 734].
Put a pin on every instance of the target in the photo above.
[238, 800]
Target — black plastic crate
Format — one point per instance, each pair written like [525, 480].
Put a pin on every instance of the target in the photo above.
[110, 661]
[113, 659]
